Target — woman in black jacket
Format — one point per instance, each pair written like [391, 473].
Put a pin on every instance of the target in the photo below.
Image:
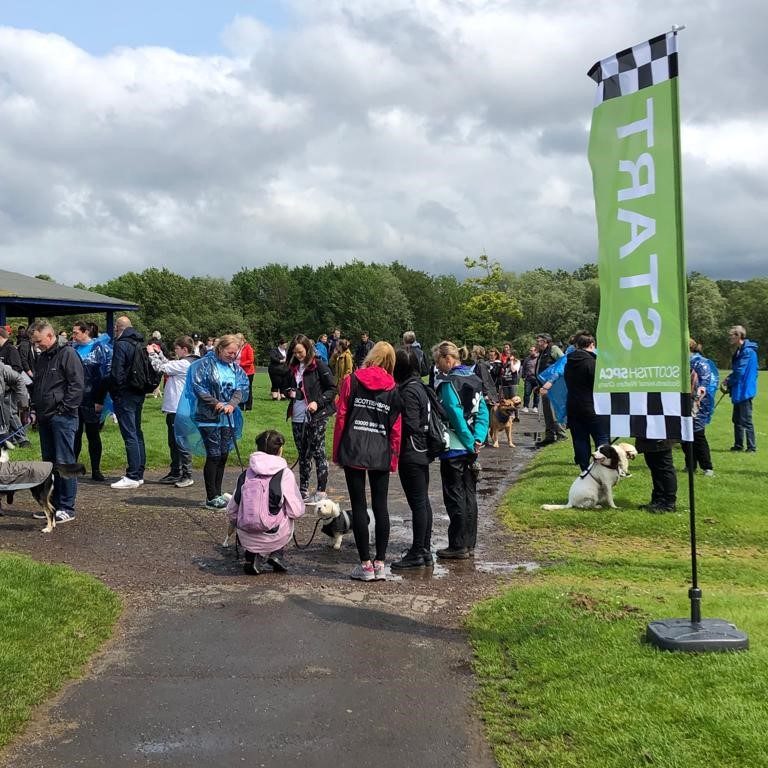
[580, 379]
[278, 369]
[310, 403]
[413, 467]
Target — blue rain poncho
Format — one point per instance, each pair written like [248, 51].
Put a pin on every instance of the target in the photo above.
[558, 395]
[96, 356]
[708, 377]
[207, 378]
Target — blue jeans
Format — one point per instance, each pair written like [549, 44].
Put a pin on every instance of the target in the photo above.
[128, 411]
[581, 432]
[181, 460]
[530, 394]
[742, 423]
[57, 444]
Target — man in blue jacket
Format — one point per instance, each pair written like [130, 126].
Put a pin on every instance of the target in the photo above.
[741, 384]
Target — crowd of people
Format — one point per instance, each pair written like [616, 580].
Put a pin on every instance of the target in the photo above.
[67, 384]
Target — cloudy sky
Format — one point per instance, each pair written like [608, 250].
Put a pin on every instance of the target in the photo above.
[207, 136]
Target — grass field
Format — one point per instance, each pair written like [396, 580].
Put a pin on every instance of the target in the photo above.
[52, 620]
[266, 414]
[565, 676]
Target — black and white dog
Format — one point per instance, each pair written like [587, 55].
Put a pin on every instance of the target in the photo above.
[593, 488]
[35, 476]
[339, 520]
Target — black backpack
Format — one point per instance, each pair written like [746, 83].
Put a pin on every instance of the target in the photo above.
[142, 377]
[436, 429]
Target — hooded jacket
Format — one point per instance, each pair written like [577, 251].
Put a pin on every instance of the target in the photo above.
[267, 465]
[461, 394]
[368, 427]
[742, 382]
[706, 377]
[96, 356]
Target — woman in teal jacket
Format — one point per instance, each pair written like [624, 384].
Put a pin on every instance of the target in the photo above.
[461, 394]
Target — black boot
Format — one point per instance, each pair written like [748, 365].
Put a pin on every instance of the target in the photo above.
[410, 559]
[254, 564]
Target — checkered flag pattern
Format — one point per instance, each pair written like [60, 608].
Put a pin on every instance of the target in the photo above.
[640, 66]
[653, 415]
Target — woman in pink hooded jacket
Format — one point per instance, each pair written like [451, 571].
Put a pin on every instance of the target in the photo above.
[264, 505]
[366, 440]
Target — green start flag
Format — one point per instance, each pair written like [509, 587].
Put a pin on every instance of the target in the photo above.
[642, 377]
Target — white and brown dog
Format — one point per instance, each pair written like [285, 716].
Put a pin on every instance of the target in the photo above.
[593, 488]
[502, 418]
[35, 476]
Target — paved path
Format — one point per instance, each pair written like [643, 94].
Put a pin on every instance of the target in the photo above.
[212, 668]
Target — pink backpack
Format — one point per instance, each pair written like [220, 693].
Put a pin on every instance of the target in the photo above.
[261, 503]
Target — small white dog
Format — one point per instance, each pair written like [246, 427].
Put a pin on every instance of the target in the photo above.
[593, 488]
[339, 520]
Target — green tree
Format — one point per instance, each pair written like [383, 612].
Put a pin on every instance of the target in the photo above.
[553, 302]
[492, 308]
[706, 312]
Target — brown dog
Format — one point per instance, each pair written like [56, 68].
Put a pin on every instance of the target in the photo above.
[502, 418]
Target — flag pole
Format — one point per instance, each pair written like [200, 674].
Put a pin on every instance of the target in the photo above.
[694, 593]
[694, 634]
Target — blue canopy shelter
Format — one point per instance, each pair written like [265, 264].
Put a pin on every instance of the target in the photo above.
[31, 297]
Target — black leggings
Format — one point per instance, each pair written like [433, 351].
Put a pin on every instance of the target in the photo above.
[415, 481]
[379, 482]
[93, 434]
[213, 474]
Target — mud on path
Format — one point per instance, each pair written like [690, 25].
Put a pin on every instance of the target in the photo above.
[181, 684]
[145, 543]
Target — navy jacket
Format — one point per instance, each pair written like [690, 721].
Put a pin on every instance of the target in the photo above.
[122, 359]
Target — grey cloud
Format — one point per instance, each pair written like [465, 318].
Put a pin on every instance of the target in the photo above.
[571, 138]
[435, 213]
[418, 131]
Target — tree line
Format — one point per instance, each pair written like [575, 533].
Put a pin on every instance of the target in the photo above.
[487, 306]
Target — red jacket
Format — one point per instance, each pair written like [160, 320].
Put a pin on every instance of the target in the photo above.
[247, 359]
[375, 379]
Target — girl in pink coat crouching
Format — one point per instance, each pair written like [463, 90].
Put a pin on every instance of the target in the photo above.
[264, 505]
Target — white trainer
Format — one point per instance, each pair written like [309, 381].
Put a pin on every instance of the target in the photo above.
[126, 482]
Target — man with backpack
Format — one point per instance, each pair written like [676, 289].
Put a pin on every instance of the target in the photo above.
[128, 393]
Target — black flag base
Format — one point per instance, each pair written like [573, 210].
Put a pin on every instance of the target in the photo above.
[696, 635]
[705, 636]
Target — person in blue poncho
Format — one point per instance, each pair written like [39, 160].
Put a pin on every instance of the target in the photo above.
[208, 419]
[95, 352]
[704, 381]
[461, 395]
